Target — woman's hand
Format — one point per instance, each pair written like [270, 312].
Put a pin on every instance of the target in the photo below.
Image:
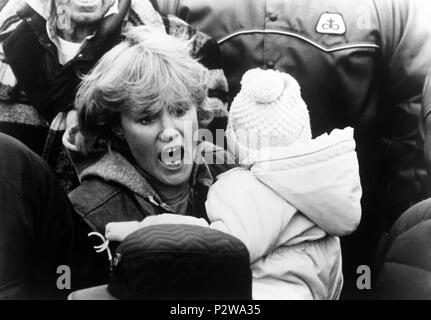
[118, 231]
[170, 218]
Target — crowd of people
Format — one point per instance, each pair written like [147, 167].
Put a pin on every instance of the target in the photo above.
[111, 113]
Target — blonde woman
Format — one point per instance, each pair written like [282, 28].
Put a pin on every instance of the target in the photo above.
[138, 111]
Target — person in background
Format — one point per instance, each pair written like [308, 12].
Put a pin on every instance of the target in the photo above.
[49, 45]
[360, 63]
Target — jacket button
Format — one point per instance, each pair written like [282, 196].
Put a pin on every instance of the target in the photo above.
[270, 64]
[273, 17]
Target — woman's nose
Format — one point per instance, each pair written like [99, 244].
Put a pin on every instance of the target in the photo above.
[169, 127]
[169, 134]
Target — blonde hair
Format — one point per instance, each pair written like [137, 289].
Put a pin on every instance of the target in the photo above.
[149, 70]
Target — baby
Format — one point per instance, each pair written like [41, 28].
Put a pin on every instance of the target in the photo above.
[290, 199]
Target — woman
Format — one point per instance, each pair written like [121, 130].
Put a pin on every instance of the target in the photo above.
[136, 149]
[137, 112]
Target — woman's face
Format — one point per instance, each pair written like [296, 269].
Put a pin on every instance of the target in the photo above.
[85, 11]
[162, 143]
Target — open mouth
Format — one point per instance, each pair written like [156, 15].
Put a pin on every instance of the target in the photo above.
[87, 5]
[172, 157]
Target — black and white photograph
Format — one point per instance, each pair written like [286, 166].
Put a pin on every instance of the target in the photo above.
[232, 152]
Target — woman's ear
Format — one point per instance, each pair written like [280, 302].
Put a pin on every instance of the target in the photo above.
[205, 118]
[118, 132]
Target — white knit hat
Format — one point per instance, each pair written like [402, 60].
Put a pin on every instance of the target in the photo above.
[267, 112]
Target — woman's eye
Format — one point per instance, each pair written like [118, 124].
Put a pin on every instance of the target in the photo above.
[147, 120]
[180, 112]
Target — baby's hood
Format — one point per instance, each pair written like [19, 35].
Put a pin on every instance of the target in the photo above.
[320, 178]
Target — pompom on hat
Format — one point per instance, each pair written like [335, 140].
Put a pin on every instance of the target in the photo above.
[268, 112]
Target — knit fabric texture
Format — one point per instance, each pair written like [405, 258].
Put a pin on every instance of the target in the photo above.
[268, 112]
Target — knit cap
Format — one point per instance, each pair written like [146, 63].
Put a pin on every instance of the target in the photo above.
[268, 112]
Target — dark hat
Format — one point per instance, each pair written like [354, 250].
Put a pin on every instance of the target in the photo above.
[176, 261]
